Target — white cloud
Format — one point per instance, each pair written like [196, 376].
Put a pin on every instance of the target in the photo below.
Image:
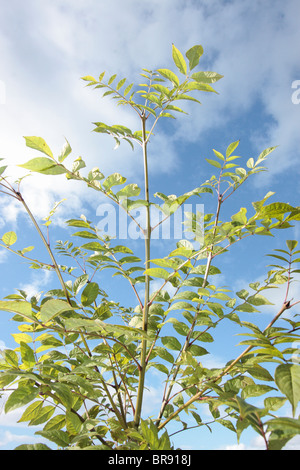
[293, 444]
[277, 295]
[39, 282]
[9, 438]
[239, 446]
[62, 41]
[258, 443]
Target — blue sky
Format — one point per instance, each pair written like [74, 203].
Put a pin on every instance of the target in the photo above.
[45, 47]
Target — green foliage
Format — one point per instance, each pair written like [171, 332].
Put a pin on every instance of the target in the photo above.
[81, 359]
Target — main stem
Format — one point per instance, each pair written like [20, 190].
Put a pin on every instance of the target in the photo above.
[147, 235]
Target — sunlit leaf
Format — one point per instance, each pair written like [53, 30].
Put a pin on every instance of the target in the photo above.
[179, 60]
[194, 55]
[169, 75]
[43, 165]
[206, 77]
[90, 293]
[287, 378]
[52, 308]
[20, 397]
[9, 238]
[66, 150]
[38, 143]
[171, 342]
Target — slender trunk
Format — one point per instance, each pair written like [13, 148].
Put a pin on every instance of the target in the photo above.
[147, 235]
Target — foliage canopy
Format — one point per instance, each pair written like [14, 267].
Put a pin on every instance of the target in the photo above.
[80, 360]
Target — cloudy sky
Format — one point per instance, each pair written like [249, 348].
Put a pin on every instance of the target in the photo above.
[45, 47]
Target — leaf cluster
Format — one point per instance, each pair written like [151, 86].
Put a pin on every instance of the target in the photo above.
[81, 358]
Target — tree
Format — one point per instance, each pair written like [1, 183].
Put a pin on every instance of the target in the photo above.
[81, 358]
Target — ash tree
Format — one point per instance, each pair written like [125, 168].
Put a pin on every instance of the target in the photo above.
[81, 358]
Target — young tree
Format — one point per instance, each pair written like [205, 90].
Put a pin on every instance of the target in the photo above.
[81, 358]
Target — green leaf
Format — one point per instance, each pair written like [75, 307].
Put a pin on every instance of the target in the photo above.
[285, 424]
[231, 148]
[89, 294]
[175, 108]
[85, 234]
[27, 355]
[112, 78]
[150, 433]
[265, 153]
[255, 390]
[79, 283]
[64, 394]
[20, 397]
[32, 411]
[66, 150]
[120, 84]
[206, 77]
[201, 87]
[258, 299]
[250, 162]
[22, 308]
[129, 191]
[94, 246]
[180, 327]
[196, 350]
[95, 174]
[274, 403]
[10, 358]
[38, 143]
[77, 223]
[18, 337]
[169, 75]
[157, 272]
[113, 180]
[164, 354]
[179, 60]
[246, 308]
[57, 422]
[171, 342]
[44, 415]
[219, 155]
[127, 89]
[61, 438]
[291, 244]
[2, 169]
[186, 97]
[52, 308]
[200, 269]
[89, 78]
[194, 55]
[27, 249]
[227, 424]
[276, 209]
[78, 164]
[73, 423]
[287, 379]
[43, 165]
[214, 163]
[37, 446]
[161, 89]
[9, 238]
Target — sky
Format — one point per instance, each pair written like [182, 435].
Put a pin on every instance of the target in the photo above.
[45, 47]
